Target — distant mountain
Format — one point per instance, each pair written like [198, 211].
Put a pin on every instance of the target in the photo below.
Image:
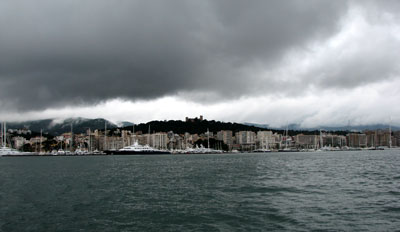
[80, 125]
[56, 127]
[124, 124]
[266, 126]
[297, 127]
[360, 128]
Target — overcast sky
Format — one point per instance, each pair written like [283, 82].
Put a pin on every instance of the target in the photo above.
[310, 62]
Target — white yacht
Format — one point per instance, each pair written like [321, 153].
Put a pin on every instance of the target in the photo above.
[262, 150]
[9, 151]
[202, 150]
[137, 149]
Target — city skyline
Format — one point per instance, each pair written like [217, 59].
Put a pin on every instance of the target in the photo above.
[224, 138]
[312, 63]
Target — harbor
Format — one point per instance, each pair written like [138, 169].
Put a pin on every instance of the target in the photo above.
[127, 141]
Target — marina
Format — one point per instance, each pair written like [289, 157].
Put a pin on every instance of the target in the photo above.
[127, 141]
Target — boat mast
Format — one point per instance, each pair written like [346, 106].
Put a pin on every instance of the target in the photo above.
[40, 148]
[72, 138]
[133, 133]
[90, 142]
[320, 138]
[287, 134]
[148, 136]
[5, 135]
[2, 134]
[315, 141]
[208, 138]
[390, 132]
[105, 135]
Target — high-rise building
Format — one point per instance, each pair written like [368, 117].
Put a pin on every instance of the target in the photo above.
[159, 140]
[264, 139]
[331, 140]
[307, 141]
[357, 140]
[377, 138]
[226, 137]
[246, 140]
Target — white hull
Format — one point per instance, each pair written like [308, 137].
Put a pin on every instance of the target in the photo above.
[5, 151]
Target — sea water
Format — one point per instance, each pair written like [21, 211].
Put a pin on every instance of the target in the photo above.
[330, 191]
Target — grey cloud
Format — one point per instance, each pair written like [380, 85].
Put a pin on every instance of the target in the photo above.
[368, 58]
[58, 53]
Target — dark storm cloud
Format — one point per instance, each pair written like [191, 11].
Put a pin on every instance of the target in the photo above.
[58, 53]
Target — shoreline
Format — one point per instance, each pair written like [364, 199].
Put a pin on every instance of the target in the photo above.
[228, 153]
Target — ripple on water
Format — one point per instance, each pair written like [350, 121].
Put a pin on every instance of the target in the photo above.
[344, 191]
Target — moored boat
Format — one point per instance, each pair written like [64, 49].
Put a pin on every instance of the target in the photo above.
[6, 151]
[137, 149]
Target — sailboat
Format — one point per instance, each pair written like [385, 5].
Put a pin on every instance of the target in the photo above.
[287, 137]
[6, 151]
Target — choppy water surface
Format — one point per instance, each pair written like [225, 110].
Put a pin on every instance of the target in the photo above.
[342, 191]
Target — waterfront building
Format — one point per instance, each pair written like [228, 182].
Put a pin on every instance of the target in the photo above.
[396, 139]
[264, 139]
[226, 137]
[356, 140]
[246, 140]
[174, 141]
[307, 141]
[275, 140]
[142, 139]
[67, 139]
[59, 138]
[159, 140]
[178, 142]
[378, 138]
[372, 140]
[189, 140]
[19, 142]
[331, 140]
[114, 143]
[171, 139]
[127, 137]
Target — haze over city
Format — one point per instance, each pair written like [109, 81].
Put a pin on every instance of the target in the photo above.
[313, 63]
